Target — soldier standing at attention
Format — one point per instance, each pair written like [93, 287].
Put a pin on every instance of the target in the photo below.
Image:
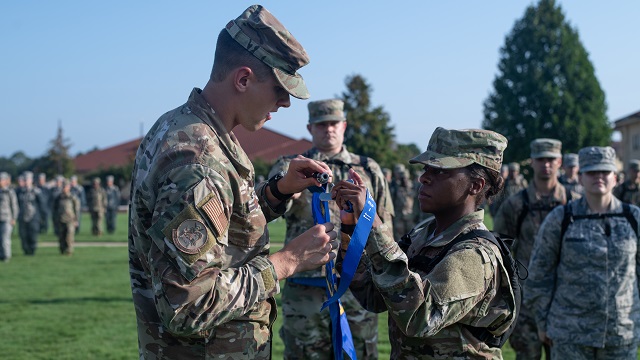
[55, 190]
[47, 200]
[444, 312]
[113, 201]
[97, 206]
[629, 191]
[403, 194]
[202, 278]
[31, 209]
[78, 191]
[570, 179]
[66, 211]
[583, 274]
[306, 332]
[520, 217]
[8, 215]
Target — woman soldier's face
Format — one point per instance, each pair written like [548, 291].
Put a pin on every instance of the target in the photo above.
[443, 189]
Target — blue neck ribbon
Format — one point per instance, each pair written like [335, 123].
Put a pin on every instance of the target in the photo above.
[341, 333]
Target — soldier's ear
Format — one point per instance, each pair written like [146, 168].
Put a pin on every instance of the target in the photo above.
[476, 185]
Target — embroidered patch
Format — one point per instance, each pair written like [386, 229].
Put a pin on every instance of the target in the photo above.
[215, 213]
[190, 236]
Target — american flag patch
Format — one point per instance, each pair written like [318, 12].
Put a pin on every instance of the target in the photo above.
[215, 213]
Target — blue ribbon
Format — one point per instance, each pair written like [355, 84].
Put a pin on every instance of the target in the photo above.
[340, 332]
[355, 249]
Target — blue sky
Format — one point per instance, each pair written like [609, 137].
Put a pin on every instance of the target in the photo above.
[108, 69]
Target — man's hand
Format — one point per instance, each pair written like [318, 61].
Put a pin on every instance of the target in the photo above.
[311, 249]
[300, 175]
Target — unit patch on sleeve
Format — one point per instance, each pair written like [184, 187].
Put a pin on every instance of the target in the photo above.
[190, 236]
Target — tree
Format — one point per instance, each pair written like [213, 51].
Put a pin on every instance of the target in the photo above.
[368, 131]
[57, 161]
[546, 87]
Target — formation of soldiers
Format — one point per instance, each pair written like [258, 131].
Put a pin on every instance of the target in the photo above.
[32, 205]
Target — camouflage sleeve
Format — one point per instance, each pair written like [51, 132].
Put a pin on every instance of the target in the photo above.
[14, 205]
[540, 284]
[271, 212]
[422, 308]
[505, 220]
[362, 286]
[199, 279]
[77, 208]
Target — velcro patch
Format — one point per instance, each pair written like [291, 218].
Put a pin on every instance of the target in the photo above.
[215, 212]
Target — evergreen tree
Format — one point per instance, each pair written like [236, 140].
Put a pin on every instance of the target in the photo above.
[546, 87]
[369, 132]
[57, 161]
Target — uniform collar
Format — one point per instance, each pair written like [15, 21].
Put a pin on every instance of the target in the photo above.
[463, 225]
[228, 141]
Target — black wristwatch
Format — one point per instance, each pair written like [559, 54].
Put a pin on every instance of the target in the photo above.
[273, 186]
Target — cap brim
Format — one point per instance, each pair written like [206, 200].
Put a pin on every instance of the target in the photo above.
[545, 154]
[440, 161]
[598, 167]
[326, 118]
[294, 84]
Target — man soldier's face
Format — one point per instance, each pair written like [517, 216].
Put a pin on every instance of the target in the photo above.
[327, 135]
[545, 168]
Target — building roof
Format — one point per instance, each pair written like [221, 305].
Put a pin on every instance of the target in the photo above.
[629, 119]
[263, 144]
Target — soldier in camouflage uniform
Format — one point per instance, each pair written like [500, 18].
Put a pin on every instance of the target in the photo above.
[8, 215]
[306, 332]
[55, 190]
[629, 191]
[47, 199]
[570, 179]
[431, 312]
[513, 183]
[202, 278]
[66, 211]
[520, 217]
[113, 201]
[31, 207]
[78, 191]
[97, 206]
[583, 281]
[403, 194]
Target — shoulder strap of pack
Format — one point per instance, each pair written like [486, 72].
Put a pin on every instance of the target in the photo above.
[568, 218]
[523, 213]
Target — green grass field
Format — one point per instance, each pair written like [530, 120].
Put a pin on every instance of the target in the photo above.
[79, 307]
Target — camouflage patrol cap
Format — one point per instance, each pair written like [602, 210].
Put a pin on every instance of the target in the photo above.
[514, 166]
[326, 110]
[546, 148]
[597, 158]
[570, 159]
[258, 31]
[634, 165]
[453, 149]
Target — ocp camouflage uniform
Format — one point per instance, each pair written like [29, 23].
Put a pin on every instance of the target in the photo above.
[202, 284]
[47, 200]
[511, 186]
[628, 191]
[8, 215]
[306, 331]
[78, 191]
[583, 288]
[428, 313]
[113, 201]
[66, 211]
[97, 206]
[403, 195]
[31, 208]
[525, 336]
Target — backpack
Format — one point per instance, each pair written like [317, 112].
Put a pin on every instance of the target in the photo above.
[426, 265]
[569, 218]
[526, 208]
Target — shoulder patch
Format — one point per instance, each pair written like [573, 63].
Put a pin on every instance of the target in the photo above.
[215, 212]
[190, 236]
